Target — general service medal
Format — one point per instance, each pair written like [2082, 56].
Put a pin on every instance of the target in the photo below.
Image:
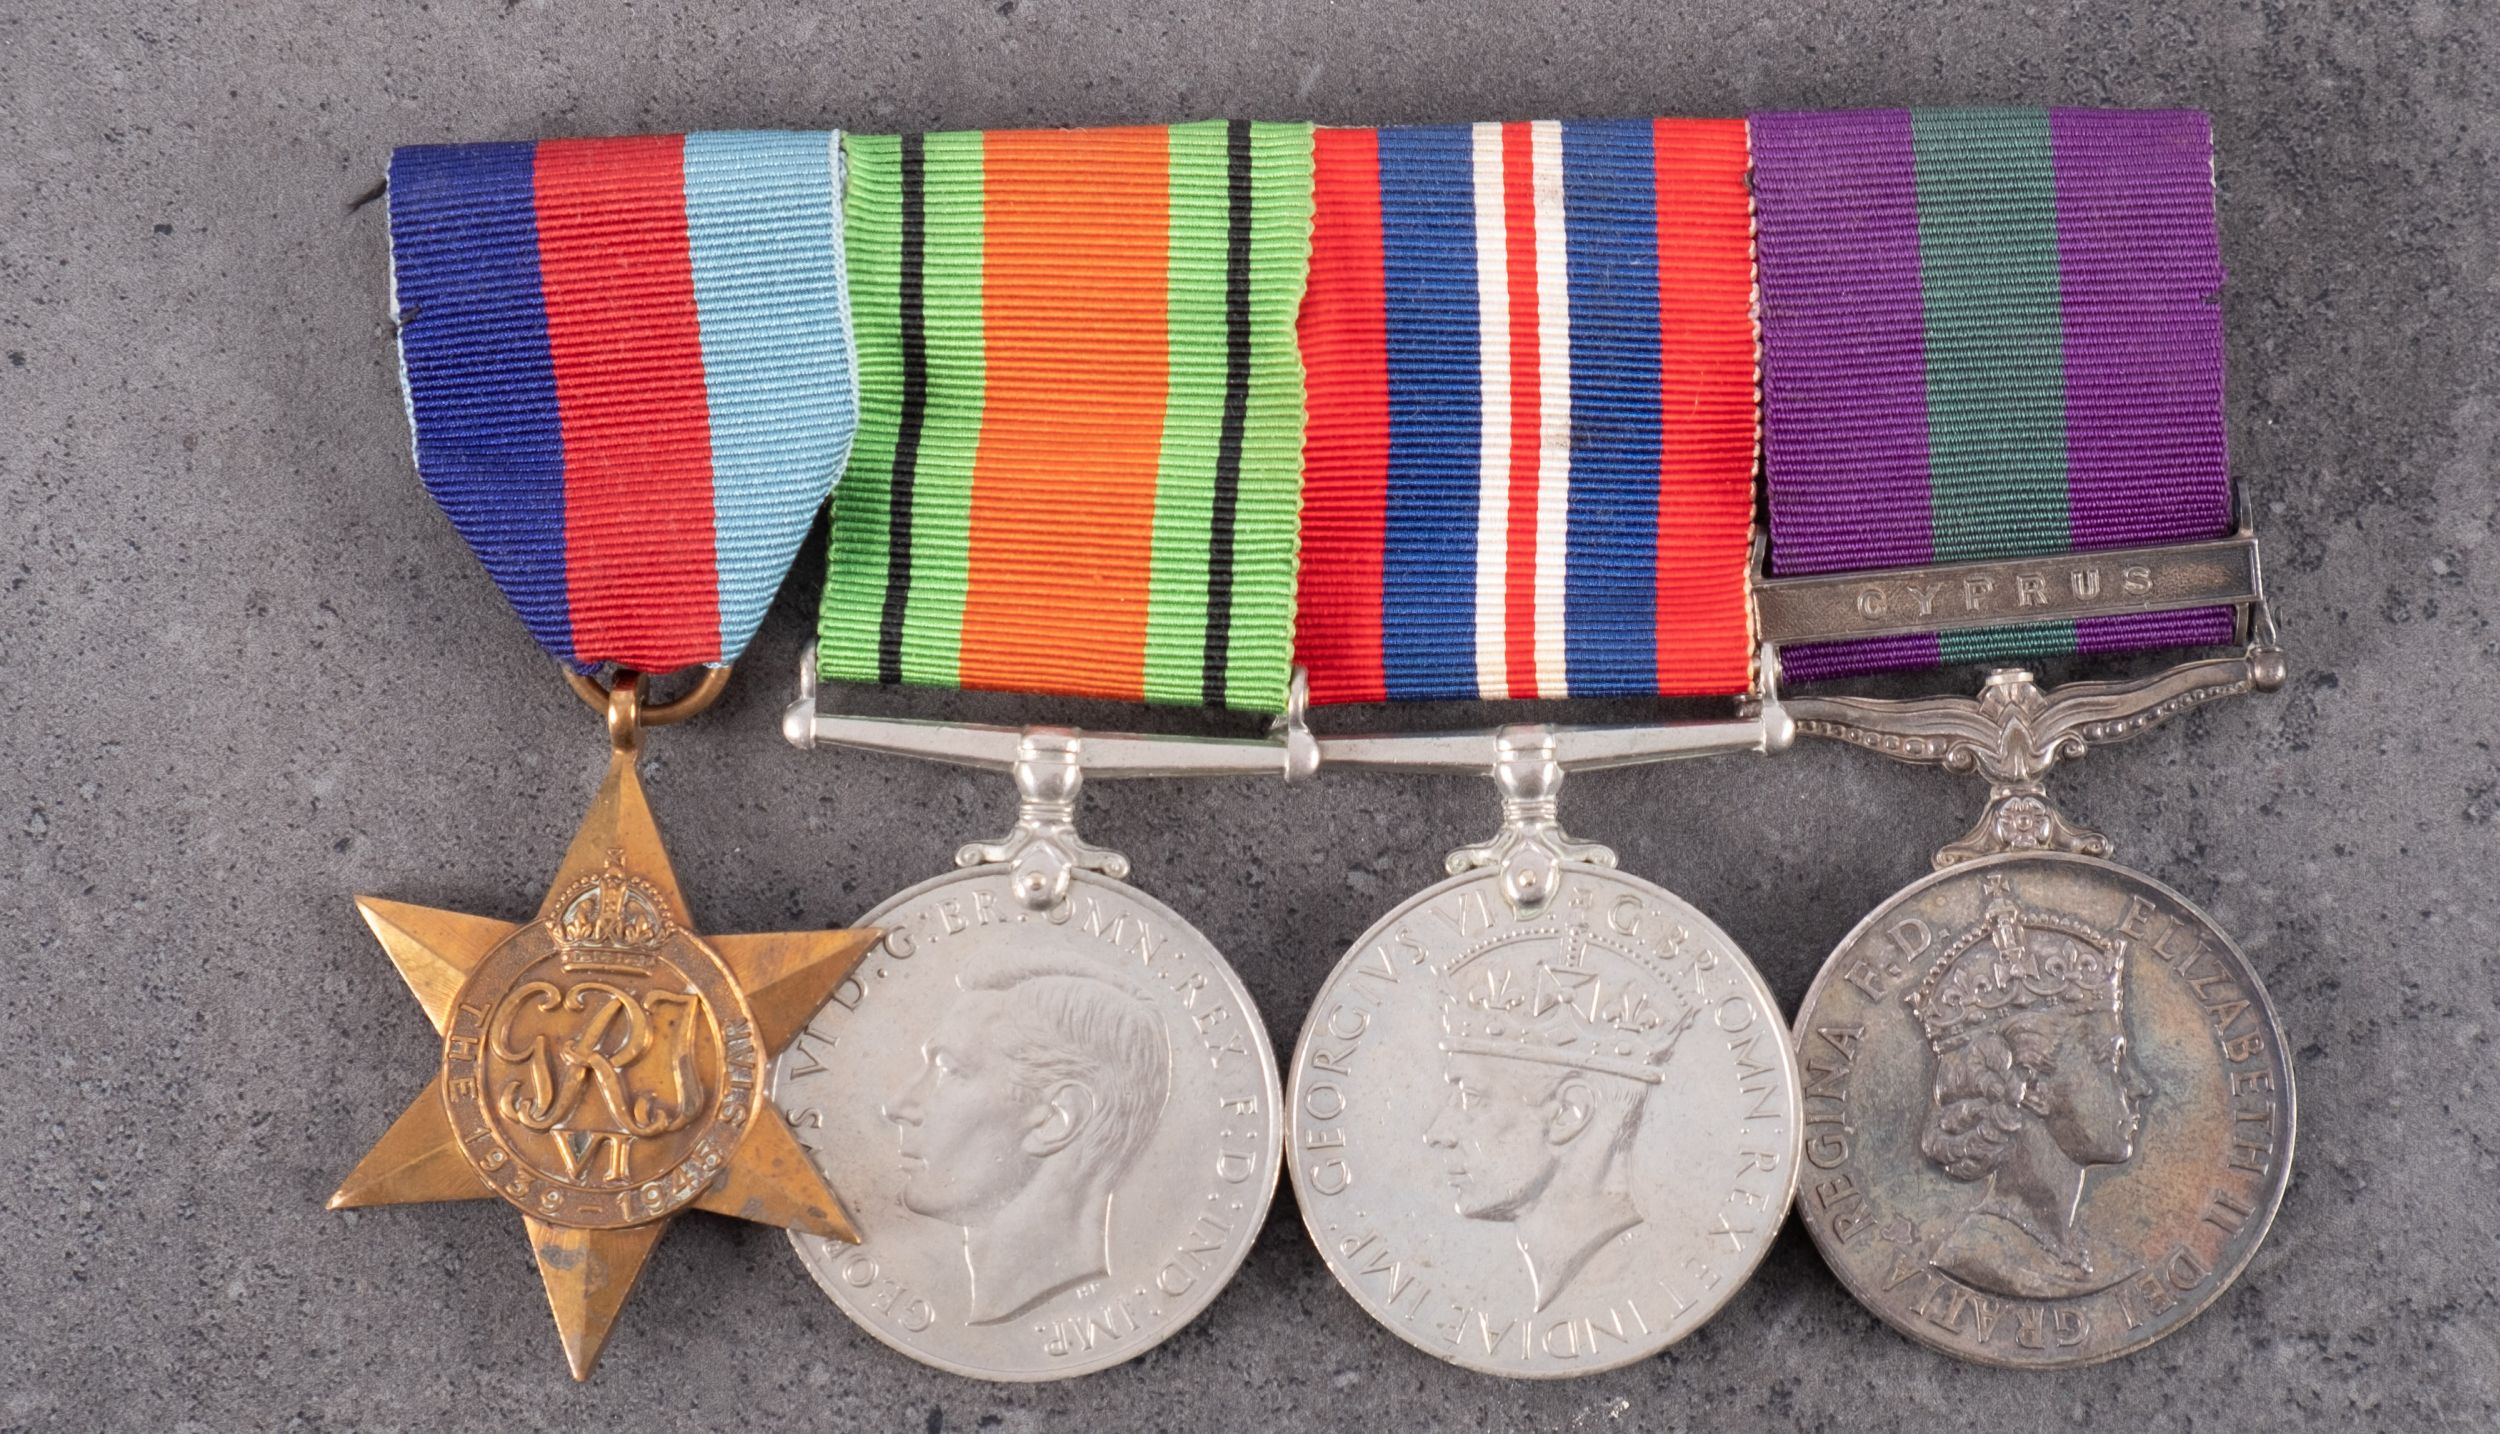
[590, 332]
[2049, 1109]
[2049, 1112]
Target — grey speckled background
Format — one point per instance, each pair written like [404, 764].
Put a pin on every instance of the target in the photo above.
[252, 670]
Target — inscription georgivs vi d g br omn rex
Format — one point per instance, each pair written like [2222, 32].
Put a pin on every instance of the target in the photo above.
[1496, 1122]
[2012, 1066]
[1060, 1123]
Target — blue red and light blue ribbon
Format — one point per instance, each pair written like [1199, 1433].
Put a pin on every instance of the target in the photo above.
[628, 368]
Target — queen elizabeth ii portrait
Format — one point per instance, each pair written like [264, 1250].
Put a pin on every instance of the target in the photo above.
[2035, 1091]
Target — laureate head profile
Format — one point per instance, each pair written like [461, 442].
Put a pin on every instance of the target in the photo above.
[2035, 1088]
[1040, 1087]
[1551, 1069]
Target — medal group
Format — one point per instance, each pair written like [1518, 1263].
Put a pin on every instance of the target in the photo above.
[1270, 418]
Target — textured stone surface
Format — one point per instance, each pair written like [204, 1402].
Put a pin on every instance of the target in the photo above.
[251, 670]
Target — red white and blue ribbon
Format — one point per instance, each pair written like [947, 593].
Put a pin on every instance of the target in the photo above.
[1529, 464]
[629, 373]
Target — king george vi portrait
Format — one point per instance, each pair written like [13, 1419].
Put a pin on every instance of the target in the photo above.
[1550, 1070]
[2035, 1089]
[1041, 1086]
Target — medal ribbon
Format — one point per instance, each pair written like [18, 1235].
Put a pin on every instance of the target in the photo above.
[1531, 368]
[1989, 334]
[1080, 444]
[628, 370]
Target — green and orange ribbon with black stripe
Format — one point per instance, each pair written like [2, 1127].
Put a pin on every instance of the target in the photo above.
[1078, 468]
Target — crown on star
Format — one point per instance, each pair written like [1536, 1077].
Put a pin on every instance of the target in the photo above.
[613, 922]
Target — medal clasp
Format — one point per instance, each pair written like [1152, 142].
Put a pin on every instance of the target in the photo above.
[1946, 597]
[2015, 731]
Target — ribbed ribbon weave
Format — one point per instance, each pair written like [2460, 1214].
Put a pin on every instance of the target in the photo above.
[628, 372]
[1531, 367]
[1988, 334]
[1080, 447]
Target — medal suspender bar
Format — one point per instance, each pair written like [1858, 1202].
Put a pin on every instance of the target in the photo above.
[2050, 1110]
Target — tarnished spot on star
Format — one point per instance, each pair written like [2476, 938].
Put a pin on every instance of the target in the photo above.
[603, 1066]
[588, 1274]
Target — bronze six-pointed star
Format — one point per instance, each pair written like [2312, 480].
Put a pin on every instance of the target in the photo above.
[603, 1066]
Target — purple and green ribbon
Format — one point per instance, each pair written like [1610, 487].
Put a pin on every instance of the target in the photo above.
[1989, 333]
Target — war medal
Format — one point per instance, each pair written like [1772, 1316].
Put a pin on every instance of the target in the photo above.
[1544, 1114]
[1077, 474]
[627, 370]
[2049, 1111]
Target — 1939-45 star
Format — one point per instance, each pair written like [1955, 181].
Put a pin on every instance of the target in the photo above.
[603, 1066]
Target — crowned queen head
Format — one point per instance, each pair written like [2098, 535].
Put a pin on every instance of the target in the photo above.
[2025, 1015]
[1551, 1066]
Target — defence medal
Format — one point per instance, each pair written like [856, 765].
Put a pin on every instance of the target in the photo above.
[1077, 473]
[1544, 1115]
[2049, 1110]
[626, 368]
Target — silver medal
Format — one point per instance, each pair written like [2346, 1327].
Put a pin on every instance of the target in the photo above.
[1544, 1116]
[1054, 1107]
[1057, 1127]
[2049, 1109]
